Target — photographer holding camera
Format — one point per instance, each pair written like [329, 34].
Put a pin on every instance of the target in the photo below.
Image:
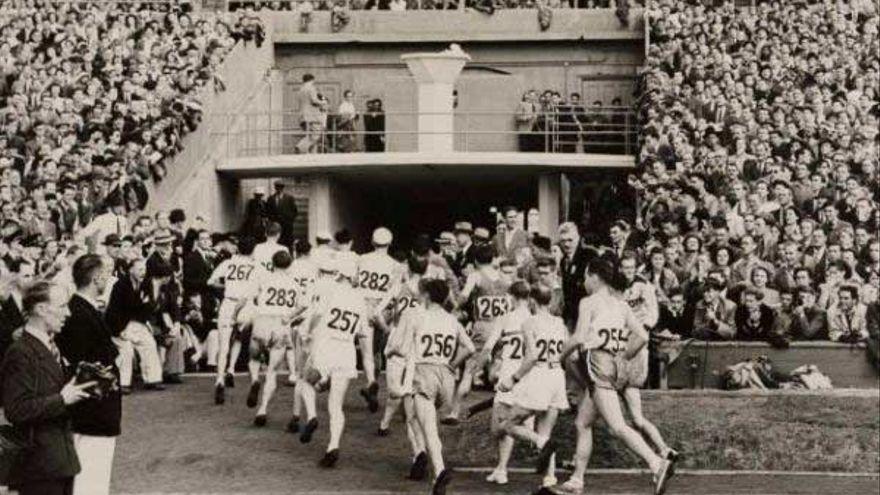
[86, 343]
[36, 399]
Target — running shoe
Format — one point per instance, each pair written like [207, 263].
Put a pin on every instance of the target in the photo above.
[329, 460]
[441, 482]
[306, 435]
[662, 477]
[371, 395]
[219, 394]
[497, 477]
[253, 395]
[419, 469]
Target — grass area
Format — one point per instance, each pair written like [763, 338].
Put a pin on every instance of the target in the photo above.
[786, 433]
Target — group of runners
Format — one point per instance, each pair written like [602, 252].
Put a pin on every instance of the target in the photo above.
[314, 313]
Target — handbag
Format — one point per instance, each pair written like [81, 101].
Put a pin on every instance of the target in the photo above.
[14, 445]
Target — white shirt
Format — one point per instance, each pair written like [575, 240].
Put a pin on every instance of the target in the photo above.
[264, 252]
[102, 226]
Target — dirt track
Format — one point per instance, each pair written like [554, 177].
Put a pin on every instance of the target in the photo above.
[177, 441]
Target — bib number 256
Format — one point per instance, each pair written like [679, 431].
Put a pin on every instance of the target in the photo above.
[438, 345]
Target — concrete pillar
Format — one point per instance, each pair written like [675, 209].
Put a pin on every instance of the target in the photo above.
[435, 75]
[227, 211]
[322, 206]
[549, 187]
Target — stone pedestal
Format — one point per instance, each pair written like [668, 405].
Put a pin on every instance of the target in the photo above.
[435, 75]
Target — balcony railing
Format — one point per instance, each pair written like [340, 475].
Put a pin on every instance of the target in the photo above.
[603, 130]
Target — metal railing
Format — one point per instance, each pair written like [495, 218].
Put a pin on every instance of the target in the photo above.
[606, 130]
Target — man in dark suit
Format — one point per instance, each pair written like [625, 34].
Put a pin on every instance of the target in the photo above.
[574, 264]
[127, 316]
[11, 317]
[198, 265]
[675, 316]
[36, 399]
[281, 208]
[255, 216]
[86, 337]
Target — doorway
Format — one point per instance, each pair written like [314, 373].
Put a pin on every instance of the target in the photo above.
[429, 202]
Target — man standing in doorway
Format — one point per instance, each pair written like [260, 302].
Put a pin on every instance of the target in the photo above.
[281, 208]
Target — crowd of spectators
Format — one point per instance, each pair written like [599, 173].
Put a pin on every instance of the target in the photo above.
[399, 5]
[758, 198]
[95, 99]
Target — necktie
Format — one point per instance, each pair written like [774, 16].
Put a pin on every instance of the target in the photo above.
[118, 226]
[55, 352]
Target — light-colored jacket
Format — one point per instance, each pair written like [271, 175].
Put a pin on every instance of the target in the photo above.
[309, 103]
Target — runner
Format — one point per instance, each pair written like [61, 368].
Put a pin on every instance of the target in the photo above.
[378, 277]
[339, 317]
[485, 292]
[609, 335]
[264, 251]
[397, 377]
[400, 363]
[537, 387]
[642, 298]
[235, 276]
[323, 281]
[278, 304]
[304, 271]
[440, 345]
[509, 333]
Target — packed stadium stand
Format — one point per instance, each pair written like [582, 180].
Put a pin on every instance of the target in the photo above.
[730, 150]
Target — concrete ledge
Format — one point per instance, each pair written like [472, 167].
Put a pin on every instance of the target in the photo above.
[457, 26]
[476, 162]
[703, 364]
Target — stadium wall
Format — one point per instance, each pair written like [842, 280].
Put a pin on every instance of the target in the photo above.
[192, 183]
[457, 26]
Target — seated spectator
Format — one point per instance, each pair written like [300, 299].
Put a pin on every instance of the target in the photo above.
[714, 315]
[675, 316]
[663, 279]
[809, 321]
[759, 278]
[847, 320]
[755, 321]
[127, 316]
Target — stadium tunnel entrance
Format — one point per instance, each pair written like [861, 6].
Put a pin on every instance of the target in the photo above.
[424, 200]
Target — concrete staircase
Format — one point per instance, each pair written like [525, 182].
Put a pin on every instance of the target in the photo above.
[192, 183]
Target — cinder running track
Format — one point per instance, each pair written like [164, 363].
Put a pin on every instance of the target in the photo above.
[177, 441]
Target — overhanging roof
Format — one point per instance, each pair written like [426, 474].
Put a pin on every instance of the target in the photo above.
[479, 163]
